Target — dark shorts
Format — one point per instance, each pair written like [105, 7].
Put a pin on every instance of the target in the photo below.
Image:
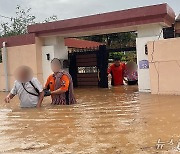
[133, 82]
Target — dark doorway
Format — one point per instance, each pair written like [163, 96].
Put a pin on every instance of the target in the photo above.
[88, 67]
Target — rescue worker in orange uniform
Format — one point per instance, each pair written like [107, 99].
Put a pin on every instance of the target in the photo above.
[116, 70]
[60, 85]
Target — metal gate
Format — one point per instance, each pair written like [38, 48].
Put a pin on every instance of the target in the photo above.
[88, 67]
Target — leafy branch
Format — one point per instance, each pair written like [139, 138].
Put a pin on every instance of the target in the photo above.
[18, 25]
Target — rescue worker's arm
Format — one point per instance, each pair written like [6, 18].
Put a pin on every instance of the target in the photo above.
[63, 88]
[47, 87]
[58, 91]
[47, 83]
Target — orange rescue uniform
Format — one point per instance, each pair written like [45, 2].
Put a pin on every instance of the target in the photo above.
[51, 83]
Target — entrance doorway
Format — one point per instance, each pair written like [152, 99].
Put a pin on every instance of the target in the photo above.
[88, 67]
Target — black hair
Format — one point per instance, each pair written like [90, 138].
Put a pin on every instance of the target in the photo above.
[56, 59]
[117, 59]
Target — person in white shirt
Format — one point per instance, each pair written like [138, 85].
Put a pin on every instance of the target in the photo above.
[27, 87]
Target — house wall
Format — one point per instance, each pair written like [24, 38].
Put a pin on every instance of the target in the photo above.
[55, 47]
[46, 64]
[164, 60]
[29, 55]
[145, 34]
[17, 56]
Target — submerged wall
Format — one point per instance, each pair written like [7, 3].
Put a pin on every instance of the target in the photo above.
[164, 59]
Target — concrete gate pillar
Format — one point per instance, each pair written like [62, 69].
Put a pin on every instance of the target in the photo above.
[145, 34]
[53, 47]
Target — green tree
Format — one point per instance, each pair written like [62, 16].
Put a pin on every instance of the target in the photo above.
[50, 19]
[18, 24]
[115, 40]
[125, 57]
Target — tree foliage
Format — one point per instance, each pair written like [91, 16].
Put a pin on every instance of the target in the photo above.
[124, 56]
[18, 25]
[115, 40]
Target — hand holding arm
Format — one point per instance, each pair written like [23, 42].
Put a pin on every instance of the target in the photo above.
[58, 91]
[63, 88]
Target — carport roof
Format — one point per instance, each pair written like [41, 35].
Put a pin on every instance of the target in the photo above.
[126, 19]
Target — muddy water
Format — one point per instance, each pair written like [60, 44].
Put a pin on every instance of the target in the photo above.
[115, 121]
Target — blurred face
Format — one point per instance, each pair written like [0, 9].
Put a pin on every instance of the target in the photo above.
[117, 63]
[131, 66]
[55, 66]
[24, 74]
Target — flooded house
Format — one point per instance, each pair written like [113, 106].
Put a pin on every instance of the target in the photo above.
[46, 41]
[124, 119]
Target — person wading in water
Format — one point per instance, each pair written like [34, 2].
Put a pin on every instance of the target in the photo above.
[60, 85]
[116, 72]
[27, 87]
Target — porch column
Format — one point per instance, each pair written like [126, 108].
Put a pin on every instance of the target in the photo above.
[53, 47]
[145, 34]
[5, 63]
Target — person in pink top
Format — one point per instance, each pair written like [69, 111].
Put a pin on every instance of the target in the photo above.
[131, 74]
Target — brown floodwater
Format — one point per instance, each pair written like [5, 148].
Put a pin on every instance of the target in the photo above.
[105, 121]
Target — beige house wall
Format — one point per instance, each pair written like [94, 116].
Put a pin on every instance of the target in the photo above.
[29, 55]
[164, 58]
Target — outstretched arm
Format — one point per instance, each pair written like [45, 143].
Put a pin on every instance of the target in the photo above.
[64, 87]
[58, 91]
[9, 97]
[12, 93]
